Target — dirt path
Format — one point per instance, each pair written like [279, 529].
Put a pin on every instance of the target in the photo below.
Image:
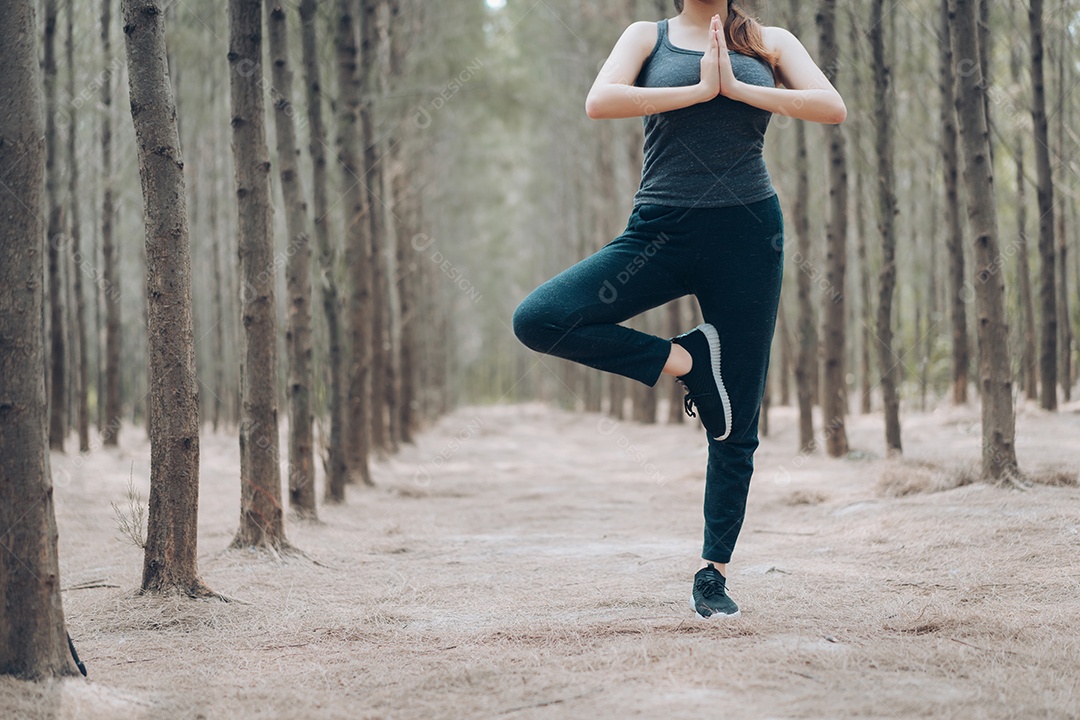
[526, 562]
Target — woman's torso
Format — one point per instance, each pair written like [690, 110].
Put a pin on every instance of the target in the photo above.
[708, 154]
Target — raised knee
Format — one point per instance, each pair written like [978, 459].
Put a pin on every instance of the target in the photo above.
[533, 322]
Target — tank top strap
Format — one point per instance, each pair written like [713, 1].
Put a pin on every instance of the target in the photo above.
[661, 30]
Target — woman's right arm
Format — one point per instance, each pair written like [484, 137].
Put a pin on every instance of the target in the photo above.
[614, 95]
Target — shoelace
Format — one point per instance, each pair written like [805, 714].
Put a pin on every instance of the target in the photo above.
[688, 400]
[688, 404]
[710, 585]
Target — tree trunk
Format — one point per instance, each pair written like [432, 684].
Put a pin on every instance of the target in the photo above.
[1045, 194]
[998, 418]
[806, 366]
[261, 517]
[1029, 372]
[110, 270]
[82, 369]
[170, 562]
[336, 468]
[883, 100]
[218, 305]
[382, 359]
[1065, 374]
[357, 247]
[833, 379]
[676, 411]
[55, 240]
[298, 271]
[961, 352]
[866, 308]
[404, 228]
[33, 637]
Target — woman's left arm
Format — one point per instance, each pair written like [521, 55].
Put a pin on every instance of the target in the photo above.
[807, 94]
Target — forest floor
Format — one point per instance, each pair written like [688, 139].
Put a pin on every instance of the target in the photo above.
[522, 561]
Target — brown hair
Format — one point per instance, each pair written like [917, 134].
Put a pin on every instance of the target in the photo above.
[743, 34]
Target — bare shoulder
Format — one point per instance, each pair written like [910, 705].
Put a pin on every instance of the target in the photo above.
[642, 33]
[778, 39]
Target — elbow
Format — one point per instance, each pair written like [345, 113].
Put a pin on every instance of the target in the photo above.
[594, 108]
[838, 113]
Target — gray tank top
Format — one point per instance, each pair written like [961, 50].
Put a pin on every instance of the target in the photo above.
[708, 154]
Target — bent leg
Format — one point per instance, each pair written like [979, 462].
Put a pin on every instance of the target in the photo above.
[575, 314]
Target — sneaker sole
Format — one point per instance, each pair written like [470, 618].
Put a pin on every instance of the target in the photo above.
[693, 606]
[714, 351]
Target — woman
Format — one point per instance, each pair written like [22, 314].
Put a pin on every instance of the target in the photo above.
[706, 221]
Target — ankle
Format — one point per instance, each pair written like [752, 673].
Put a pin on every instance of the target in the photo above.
[720, 567]
[679, 361]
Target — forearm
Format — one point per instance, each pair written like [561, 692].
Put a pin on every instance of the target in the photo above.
[822, 105]
[615, 100]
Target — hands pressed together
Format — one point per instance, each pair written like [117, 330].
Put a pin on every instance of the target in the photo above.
[717, 77]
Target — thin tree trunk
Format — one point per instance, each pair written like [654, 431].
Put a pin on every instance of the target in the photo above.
[357, 247]
[404, 375]
[261, 517]
[998, 418]
[33, 637]
[961, 353]
[170, 561]
[1045, 193]
[785, 355]
[1064, 328]
[806, 366]
[833, 390]
[55, 240]
[381, 351]
[676, 411]
[887, 227]
[1029, 354]
[1029, 372]
[218, 304]
[82, 409]
[110, 272]
[866, 309]
[336, 468]
[298, 272]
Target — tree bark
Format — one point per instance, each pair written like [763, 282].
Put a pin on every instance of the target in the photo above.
[55, 240]
[961, 352]
[833, 341]
[381, 382]
[358, 255]
[1045, 194]
[82, 369]
[336, 468]
[1029, 371]
[298, 271]
[887, 227]
[261, 517]
[110, 272]
[806, 366]
[998, 418]
[218, 305]
[170, 561]
[1065, 374]
[33, 637]
[405, 226]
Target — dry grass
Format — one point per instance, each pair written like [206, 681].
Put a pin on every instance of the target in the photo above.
[908, 477]
[545, 572]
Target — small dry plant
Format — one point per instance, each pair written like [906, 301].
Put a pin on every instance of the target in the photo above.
[131, 520]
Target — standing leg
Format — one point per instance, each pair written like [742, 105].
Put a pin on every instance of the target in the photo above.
[738, 289]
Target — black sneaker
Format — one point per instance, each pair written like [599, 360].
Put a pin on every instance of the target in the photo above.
[710, 598]
[704, 387]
